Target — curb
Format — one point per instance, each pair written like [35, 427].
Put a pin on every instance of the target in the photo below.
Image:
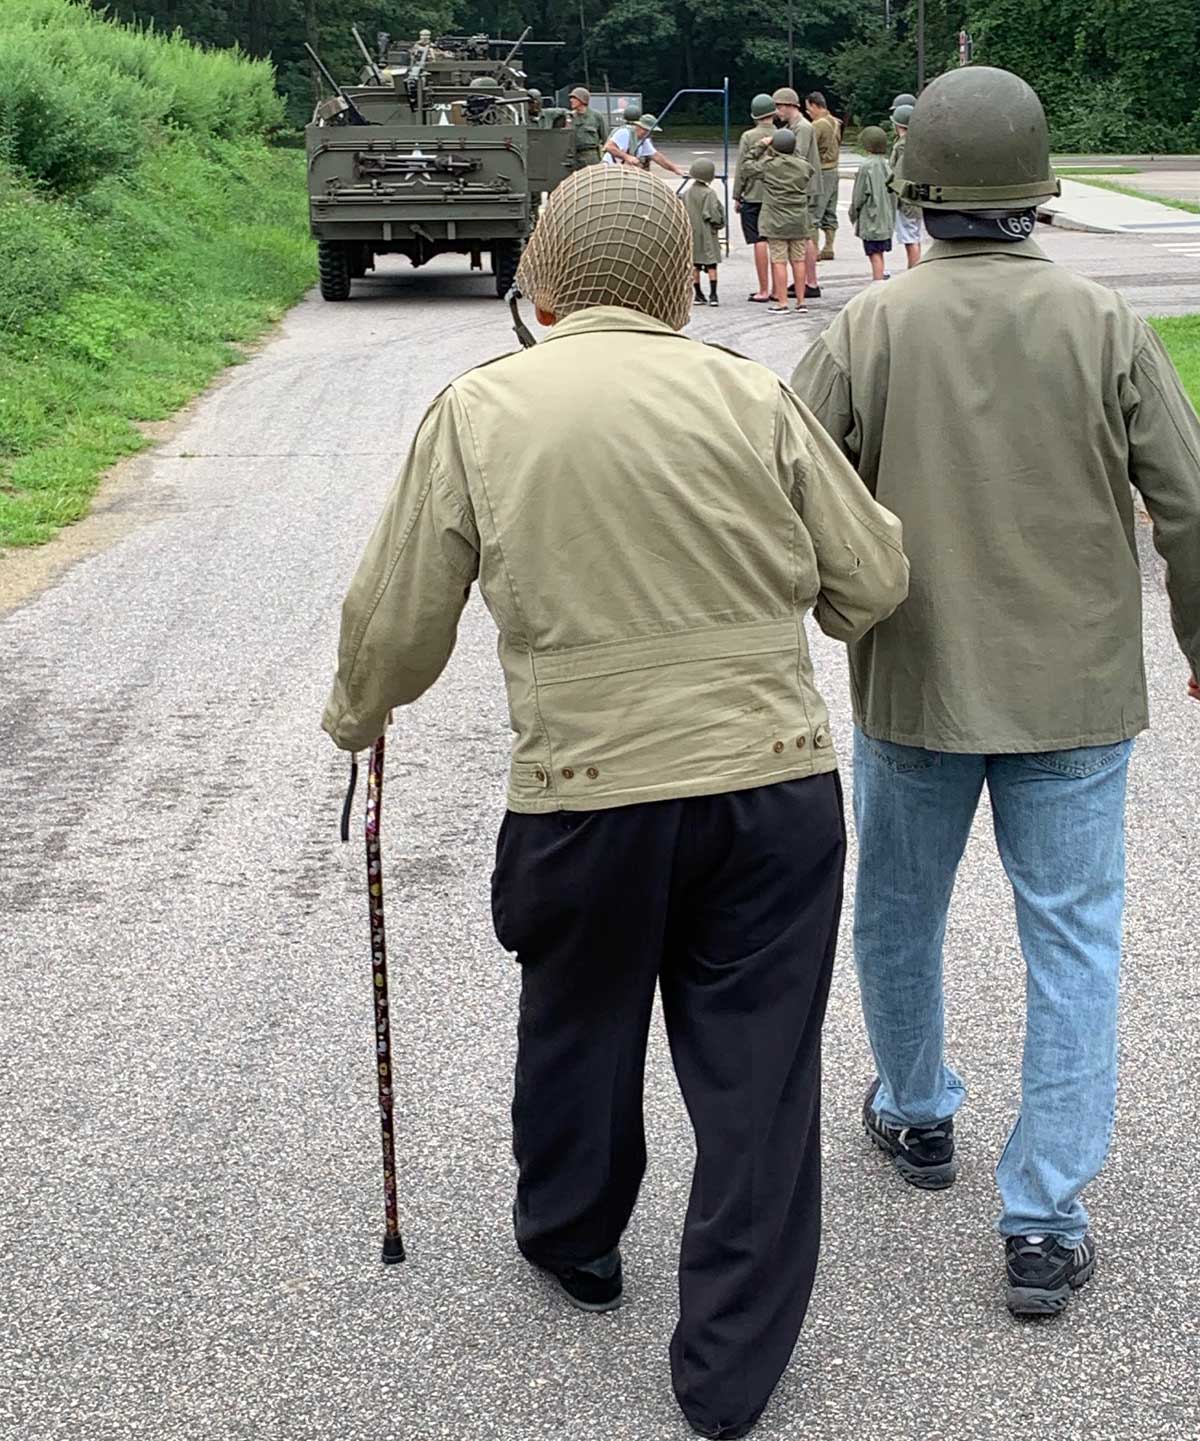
[1068, 222]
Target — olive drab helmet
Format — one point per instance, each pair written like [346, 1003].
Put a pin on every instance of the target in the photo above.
[611, 235]
[977, 140]
[762, 106]
[902, 115]
[581, 93]
[631, 113]
[785, 95]
[873, 140]
[904, 99]
[784, 141]
[703, 169]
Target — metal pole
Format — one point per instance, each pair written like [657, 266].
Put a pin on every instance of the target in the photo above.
[920, 46]
[791, 49]
[587, 77]
[728, 218]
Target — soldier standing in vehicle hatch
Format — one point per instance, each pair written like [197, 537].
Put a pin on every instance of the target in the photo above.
[588, 127]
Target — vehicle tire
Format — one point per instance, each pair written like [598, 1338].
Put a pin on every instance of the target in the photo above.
[506, 256]
[362, 260]
[333, 262]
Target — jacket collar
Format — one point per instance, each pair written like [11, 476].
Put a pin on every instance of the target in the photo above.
[607, 317]
[958, 249]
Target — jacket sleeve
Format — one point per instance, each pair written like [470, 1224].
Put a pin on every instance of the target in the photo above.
[1164, 464]
[714, 211]
[824, 387]
[740, 177]
[859, 194]
[400, 615]
[815, 183]
[860, 560]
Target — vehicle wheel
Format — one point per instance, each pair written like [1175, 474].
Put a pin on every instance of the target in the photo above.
[333, 261]
[506, 256]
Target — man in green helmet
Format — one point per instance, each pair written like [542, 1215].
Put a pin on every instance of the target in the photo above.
[789, 112]
[748, 193]
[1003, 406]
[588, 127]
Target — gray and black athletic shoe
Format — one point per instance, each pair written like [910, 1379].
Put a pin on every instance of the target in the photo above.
[924, 1155]
[1043, 1273]
[595, 1286]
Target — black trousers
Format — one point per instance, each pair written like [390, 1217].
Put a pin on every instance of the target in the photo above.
[730, 905]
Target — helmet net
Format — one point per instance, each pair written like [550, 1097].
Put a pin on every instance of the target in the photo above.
[611, 235]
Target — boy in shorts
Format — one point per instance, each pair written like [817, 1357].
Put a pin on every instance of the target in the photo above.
[873, 206]
[748, 191]
[784, 220]
[908, 215]
[707, 216]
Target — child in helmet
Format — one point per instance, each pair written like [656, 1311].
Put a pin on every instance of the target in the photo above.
[785, 222]
[908, 215]
[873, 206]
[707, 215]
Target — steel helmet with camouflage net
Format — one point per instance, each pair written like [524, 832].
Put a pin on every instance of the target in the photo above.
[977, 140]
[762, 106]
[611, 235]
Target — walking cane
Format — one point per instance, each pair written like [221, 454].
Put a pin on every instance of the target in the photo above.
[393, 1245]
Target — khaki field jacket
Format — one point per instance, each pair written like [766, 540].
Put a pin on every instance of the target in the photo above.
[649, 578]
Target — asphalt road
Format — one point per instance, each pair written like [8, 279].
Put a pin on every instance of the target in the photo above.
[189, 1209]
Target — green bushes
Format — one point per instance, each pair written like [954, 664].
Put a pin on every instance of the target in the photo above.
[83, 98]
[145, 230]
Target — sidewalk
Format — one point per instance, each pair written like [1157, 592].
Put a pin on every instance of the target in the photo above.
[1087, 207]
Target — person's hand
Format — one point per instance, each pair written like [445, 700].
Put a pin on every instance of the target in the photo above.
[737, 205]
[766, 140]
[1193, 688]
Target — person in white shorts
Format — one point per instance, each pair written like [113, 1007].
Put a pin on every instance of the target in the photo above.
[908, 215]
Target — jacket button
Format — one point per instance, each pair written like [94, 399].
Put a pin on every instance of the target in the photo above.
[778, 747]
[540, 776]
[801, 742]
[821, 739]
[592, 773]
[568, 773]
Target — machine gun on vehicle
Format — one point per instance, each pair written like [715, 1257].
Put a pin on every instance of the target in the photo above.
[340, 103]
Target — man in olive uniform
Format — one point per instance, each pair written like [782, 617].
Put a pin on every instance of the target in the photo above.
[748, 193]
[828, 130]
[674, 815]
[1002, 407]
[588, 126]
[789, 113]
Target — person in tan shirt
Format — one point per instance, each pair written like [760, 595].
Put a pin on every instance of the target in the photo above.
[828, 130]
[674, 816]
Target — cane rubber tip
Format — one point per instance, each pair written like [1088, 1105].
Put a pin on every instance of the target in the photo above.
[393, 1250]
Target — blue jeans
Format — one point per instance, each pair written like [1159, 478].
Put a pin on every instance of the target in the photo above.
[1060, 829]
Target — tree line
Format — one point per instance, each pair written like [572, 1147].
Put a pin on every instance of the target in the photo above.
[1114, 74]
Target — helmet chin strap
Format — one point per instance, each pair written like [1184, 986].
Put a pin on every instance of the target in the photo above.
[523, 333]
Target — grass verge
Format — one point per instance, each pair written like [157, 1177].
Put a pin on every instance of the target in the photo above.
[1187, 205]
[1181, 335]
[119, 307]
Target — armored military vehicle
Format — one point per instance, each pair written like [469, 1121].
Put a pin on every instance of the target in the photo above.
[440, 149]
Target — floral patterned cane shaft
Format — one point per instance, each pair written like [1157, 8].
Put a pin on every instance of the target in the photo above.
[383, 1047]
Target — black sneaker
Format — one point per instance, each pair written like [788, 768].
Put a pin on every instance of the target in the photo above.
[924, 1155]
[812, 292]
[1043, 1272]
[595, 1286]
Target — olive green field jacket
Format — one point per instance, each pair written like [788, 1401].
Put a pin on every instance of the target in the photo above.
[648, 563]
[1002, 406]
[747, 183]
[872, 204]
[707, 216]
[785, 180]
